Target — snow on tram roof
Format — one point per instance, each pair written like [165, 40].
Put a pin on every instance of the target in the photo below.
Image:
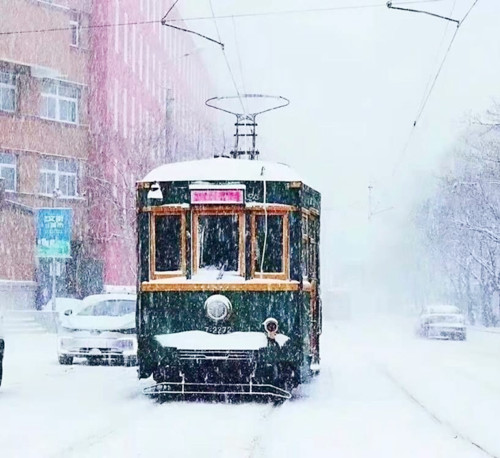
[223, 169]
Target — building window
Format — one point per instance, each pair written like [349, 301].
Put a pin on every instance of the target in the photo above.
[8, 170]
[7, 92]
[60, 174]
[74, 26]
[59, 101]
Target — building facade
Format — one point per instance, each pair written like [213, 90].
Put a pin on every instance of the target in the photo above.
[88, 102]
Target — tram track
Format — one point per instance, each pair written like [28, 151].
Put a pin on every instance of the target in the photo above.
[435, 417]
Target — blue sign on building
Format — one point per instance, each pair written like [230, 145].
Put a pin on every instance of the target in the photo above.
[53, 238]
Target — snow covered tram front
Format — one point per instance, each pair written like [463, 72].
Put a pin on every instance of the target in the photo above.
[228, 278]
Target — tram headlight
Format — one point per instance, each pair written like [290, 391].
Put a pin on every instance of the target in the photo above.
[218, 307]
[271, 327]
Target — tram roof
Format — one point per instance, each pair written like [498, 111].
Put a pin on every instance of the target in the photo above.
[223, 169]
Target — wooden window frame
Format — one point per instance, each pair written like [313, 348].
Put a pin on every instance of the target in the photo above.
[305, 215]
[153, 273]
[285, 260]
[218, 210]
[312, 256]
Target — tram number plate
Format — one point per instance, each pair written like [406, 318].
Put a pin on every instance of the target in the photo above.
[218, 329]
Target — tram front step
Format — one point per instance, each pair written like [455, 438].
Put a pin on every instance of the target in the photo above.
[211, 389]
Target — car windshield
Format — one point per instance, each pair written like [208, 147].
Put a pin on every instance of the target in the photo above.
[445, 319]
[109, 307]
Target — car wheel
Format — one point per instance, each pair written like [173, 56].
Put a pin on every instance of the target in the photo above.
[463, 336]
[65, 360]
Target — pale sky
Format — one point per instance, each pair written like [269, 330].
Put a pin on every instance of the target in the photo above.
[356, 78]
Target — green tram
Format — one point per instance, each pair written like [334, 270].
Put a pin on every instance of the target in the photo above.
[228, 279]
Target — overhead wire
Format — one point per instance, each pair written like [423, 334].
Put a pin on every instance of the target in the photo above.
[226, 59]
[429, 92]
[183, 29]
[243, 85]
[303, 10]
[437, 54]
[123, 24]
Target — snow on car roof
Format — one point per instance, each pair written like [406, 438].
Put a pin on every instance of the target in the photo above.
[442, 309]
[223, 169]
[95, 298]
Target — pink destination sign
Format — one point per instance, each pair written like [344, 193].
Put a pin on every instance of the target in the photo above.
[217, 196]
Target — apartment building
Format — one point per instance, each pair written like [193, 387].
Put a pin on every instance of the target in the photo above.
[148, 91]
[44, 135]
[96, 93]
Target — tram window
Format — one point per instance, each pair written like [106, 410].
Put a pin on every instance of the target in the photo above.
[271, 245]
[305, 246]
[168, 243]
[218, 242]
[313, 248]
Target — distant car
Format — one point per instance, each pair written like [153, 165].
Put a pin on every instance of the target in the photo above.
[2, 346]
[442, 321]
[103, 329]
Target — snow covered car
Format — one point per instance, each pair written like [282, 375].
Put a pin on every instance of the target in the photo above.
[103, 329]
[62, 305]
[445, 321]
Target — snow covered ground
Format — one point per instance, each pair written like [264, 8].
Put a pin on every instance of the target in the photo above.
[382, 393]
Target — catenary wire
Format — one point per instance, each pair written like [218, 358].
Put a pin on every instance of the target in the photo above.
[226, 59]
[243, 85]
[182, 29]
[122, 24]
[304, 10]
[429, 92]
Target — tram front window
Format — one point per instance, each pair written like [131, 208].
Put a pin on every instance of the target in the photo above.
[168, 243]
[218, 247]
[269, 243]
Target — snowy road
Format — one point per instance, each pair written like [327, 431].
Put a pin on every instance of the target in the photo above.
[381, 393]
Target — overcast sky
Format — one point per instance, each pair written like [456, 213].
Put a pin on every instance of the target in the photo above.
[356, 78]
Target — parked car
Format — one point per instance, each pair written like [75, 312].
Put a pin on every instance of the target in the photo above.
[62, 305]
[446, 321]
[103, 329]
[2, 346]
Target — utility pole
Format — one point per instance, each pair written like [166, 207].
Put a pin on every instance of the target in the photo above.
[55, 195]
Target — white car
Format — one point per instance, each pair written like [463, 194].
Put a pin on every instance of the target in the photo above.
[442, 321]
[63, 304]
[103, 329]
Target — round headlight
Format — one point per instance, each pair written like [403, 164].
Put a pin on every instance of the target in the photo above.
[217, 307]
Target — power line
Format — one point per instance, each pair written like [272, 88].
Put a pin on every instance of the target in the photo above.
[239, 57]
[94, 26]
[123, 24]
[226, 59]
[169, 10]
[299, 11]
[427, 96]
[182, 29]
